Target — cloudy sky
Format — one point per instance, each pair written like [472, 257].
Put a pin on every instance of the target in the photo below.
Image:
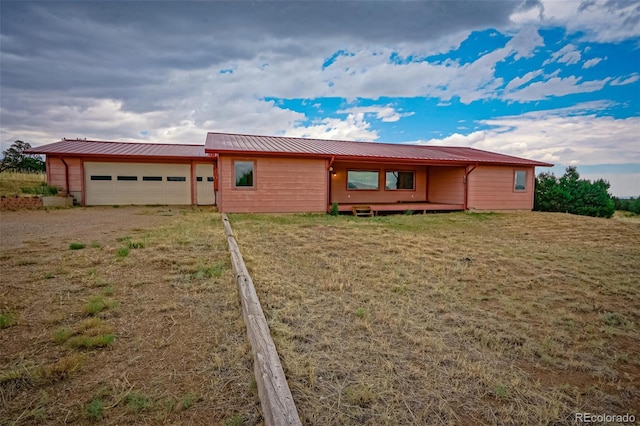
[556, 81]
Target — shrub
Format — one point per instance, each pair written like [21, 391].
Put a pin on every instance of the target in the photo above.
[41, 189]
[76, 246]
[627, 204]
[571, 194]
[335, 211]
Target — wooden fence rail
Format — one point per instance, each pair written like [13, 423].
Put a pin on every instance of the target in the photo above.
[278, 407]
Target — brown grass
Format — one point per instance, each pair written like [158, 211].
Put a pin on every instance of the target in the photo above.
[11, 183]
[451, 318]
[156, 337]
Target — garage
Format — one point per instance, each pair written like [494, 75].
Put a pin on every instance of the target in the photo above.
[116, 183]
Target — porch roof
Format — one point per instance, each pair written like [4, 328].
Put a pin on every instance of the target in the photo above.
[239, 144]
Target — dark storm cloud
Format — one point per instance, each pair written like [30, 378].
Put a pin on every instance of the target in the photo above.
[119, 46]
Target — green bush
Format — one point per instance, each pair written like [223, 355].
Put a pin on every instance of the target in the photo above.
[41, 189]
[627, 204]
[571, 194]
[335, 211]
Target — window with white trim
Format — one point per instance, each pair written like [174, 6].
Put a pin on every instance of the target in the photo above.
[520, 180]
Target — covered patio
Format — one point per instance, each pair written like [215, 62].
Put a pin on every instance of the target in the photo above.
[389, 187]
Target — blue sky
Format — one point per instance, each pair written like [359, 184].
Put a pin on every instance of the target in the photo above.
[547, 80]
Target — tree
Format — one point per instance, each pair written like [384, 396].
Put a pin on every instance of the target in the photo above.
[628, 204]
[15, 159]
[573, 195]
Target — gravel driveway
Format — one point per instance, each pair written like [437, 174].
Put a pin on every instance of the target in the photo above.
[82, 223]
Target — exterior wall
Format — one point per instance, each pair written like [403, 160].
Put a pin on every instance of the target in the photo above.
[340, 194]
[56, 175]
[492, 188]
[446, 185]
[281, 185]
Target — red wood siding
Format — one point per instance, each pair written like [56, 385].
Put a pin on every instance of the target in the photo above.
[282, 185]
[492, 188]
[446, 185]
[340, 193]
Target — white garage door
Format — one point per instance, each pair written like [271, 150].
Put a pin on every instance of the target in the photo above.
[137, 183]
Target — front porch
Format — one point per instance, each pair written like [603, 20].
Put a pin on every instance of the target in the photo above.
[401, 207]
[380, 187]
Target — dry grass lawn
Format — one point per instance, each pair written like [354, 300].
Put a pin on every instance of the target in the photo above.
[121, 316]
[451, 318]
[12, 183]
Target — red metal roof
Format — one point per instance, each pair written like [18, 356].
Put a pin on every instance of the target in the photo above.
[120, 149]
[348, 150]
[284, 146]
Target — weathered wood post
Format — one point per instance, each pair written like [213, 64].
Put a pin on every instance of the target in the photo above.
[278, 407]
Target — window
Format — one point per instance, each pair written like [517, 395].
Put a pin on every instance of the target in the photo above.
[176, 179]
[520, 180]
[100, 177]
[127, 177]
[357, 179]
[152, 178]
[244, 173]
[210, 179]
[399, 180]
[199, 178]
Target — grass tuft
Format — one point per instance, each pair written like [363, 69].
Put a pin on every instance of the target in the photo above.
[7, 320]
[95, 409]
[137, 402]
[76, 246]
[616, 320]
[97, 304]
[123, 252]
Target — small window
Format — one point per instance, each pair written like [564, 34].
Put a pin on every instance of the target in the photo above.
[100, 177]
[152, 178]
[210, 179]
[399, 180]
[127, 177]
[367, 180]
[176, 179]
[520, 180]
[244, 173]
[199, 178]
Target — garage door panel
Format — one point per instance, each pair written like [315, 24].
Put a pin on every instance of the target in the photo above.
[150, 185]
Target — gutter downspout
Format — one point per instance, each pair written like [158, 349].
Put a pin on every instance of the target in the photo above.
[216, 180]
[329, 177]
[66, 176]
[467, 172]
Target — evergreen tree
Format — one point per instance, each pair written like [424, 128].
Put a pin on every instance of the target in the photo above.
[573, 195]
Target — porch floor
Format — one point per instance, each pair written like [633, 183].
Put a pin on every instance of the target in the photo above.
[401, 207]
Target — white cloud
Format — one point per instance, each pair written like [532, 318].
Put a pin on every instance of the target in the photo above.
[597, 20]
[591, 63]
[353, 128]
[387, 114]
[521, 81]
[567, 55]
[575, 135]
[555, 86]
[621, 81]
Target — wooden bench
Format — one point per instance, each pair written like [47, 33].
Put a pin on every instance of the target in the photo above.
[362, 211]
